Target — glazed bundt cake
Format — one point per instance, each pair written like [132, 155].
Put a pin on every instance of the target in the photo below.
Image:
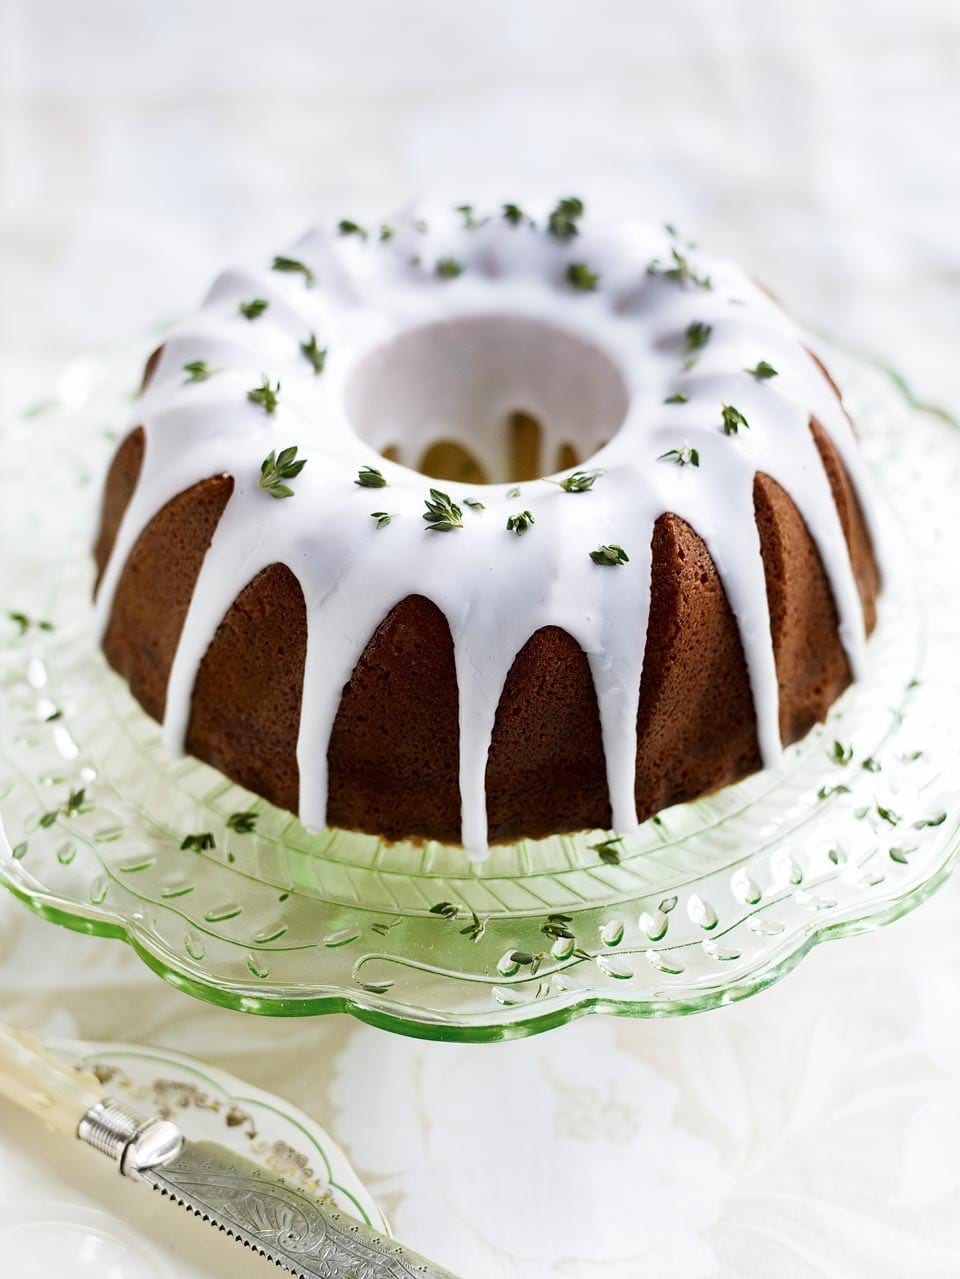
[475, 528]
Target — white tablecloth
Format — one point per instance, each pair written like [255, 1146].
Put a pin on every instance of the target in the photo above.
[814, 1130]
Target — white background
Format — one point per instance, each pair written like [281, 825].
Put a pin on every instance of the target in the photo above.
[814, 1131]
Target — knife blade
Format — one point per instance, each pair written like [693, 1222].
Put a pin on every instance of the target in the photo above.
[300, 1233]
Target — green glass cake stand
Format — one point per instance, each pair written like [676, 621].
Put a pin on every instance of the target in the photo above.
[708, 903]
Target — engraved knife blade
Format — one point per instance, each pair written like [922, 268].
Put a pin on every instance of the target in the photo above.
[287, 1225]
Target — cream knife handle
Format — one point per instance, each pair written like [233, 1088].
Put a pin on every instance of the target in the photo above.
[34, 1080]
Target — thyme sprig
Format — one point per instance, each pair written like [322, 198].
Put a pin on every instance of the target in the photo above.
[383, 518]
[198, 371]
[442, 515]
[611, 556]
[276, 468]
[513, 214]
[562, 222]
[265, 395]
[680, 270]
[317, 355]
[520, 522]
[685, 456]
[199, 843]
[253, 309]
[578, 481]
[368, 477]
[733, 419]
[293, 266]
[580, 277]
[607, 850]
[470, 219]
[243, 823]
[347, 227]
[762, 371]
[476, 924]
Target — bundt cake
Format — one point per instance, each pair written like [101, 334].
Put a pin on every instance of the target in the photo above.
[476, 528]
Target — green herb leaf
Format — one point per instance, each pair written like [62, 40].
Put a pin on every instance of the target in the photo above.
[75, 801]
[826, 791]
[581, 277]
[677, 398]
[888, 815]
[242, 823]
[253, 309]
[317, 355]
[368, 477]
[291, 266]
[346, 227]
[871, 765]
[733, 419]
[520, 522]
[276, 468]
[578, 481]
[680, 270]
[474, 504]
[449, 268]
[47, 819]
[513, 214]
[386, 233]
[265, 395]
[841, 754]
[470, 220]
[446, 909]
[685, 456]
[762, 371]
[610, 556]
[697, 336]
[383, 518]
[607, 850]
[900, 855]
[198, 371]
[442, 515]
[562, 222]
[514, 492]
[199, 843]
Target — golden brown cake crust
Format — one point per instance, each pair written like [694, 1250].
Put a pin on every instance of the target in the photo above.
[393, 756]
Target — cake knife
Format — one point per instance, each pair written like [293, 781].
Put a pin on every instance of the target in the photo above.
[285, 1224]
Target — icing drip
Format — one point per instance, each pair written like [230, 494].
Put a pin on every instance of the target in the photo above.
[403, 344]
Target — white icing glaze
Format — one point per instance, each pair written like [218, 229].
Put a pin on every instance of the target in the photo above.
[623, 342]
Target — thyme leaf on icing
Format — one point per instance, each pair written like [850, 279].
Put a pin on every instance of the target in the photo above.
[888, 815]
[253, 309]
[607, 850]
[581, 277]
[826, 791]
[762, 371]
[681, 270]
[274, 469]
[386, 233]
[513, 214]
[383, 518]
[293, 266]
[265, 395]
[317, 355]
[514, 492]
[578, 481]
[474, 503]
[733, 419]
[470, 219]
[199, 843]
[696, 337]
[871, 765]
[442, 515]
[242, 823]
[520, 522]
[346, 227]
[841, 754]
[678, 397]
[23, 623]
[198, 371]
[935, 819]
[562, 222]
[610, 556]
[368, 477]
[685, 456]
[75, 802]
[449, 268]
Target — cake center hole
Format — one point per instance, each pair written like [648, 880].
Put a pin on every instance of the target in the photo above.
[487, 399]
